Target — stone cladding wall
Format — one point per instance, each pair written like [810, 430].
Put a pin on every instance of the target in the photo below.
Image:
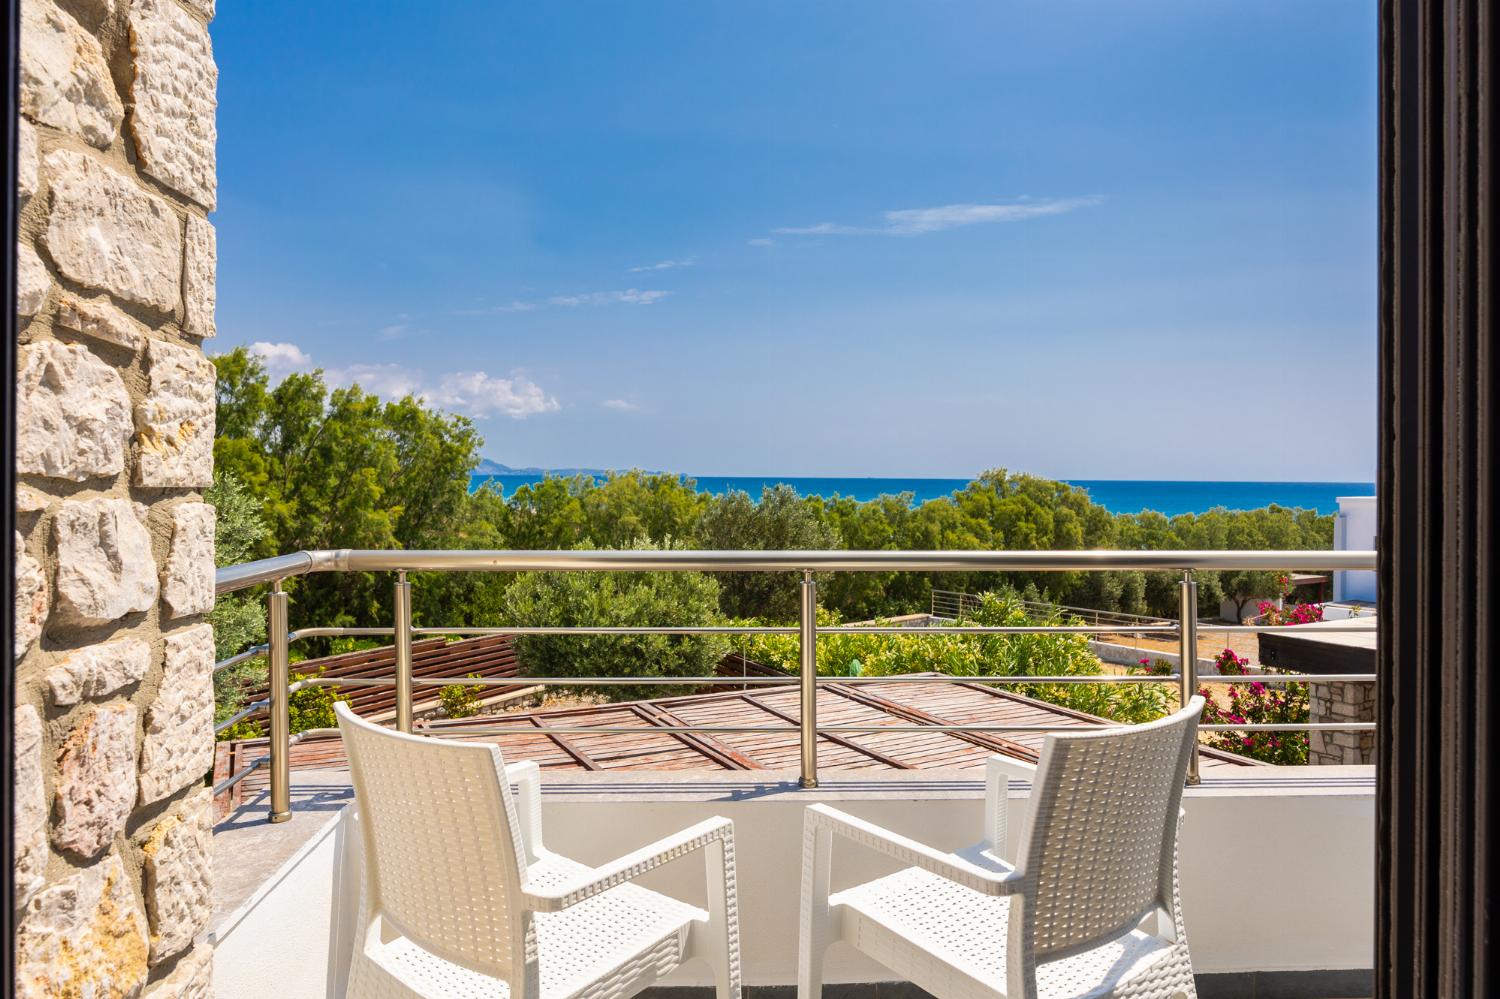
[113, 724]
[1339, 703]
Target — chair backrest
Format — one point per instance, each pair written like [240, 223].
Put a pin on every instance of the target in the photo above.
[443, 849]
[1100, 845]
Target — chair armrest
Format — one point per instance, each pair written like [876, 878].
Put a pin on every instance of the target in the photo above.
[999, 771]
[631, 866]
[527, 777]
[1013, 768]
[997, 879]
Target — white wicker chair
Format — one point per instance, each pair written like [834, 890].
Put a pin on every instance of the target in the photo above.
[461, 898]
[1091, 907]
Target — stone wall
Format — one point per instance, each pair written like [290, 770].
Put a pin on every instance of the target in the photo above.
[1340, 703]
[113, 723]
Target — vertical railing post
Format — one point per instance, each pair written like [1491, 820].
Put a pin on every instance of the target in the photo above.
[402, 605]
[1187, 630]
[278, 679]
[808, 620]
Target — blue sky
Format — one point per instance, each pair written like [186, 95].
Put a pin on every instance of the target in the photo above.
[1083, 240]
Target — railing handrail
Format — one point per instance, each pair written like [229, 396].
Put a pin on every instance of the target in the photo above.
[808, 564]
[237, 577]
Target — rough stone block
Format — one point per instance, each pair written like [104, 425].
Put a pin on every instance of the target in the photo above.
[104, 564]
[72, 413]
[175, 421]
[193, 978]
[175, 98]
[177, 877]
[188, 584]
[65, 80]
[27, 180]
[107, 232]
[98, 671]
[32, 281]
[179, 746]
[198, 293]
[31, 599]
[94, 770]
[204, 8]
[29, 500]
[83, 937]
[100, 319]
[30, 823]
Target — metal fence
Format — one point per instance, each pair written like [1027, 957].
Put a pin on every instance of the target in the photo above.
[954, 604]
[806, 565]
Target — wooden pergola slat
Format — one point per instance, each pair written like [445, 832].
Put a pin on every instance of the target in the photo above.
[707, 745]
[579, 756]
[982, 739]
[832, 737]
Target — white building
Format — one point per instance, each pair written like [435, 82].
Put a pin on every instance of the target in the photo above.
[1354, 529]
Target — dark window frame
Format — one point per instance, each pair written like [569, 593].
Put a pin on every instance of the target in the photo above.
[1439, 738]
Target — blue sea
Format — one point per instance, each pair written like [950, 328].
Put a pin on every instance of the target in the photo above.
[1115, 495]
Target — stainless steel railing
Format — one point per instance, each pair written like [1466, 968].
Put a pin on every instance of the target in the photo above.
[806, 564]
[953, 604]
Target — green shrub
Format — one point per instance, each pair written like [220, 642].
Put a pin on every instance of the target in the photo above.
[460, 700]
[310, 707]
[617, 599]
[977, 655]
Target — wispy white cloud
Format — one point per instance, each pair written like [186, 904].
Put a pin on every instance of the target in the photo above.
[479, 394]
[630, 296]
[281, 358]
[627, 296]
[666, 265]
[761, 241]
[389, 381]
[472, 393]
[395, 331]
[921, 221]
[621, 405]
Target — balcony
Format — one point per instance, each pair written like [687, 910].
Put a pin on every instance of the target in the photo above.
[1277, 861]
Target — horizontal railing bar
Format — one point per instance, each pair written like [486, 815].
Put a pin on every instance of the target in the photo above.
[237, 577]
[255, 651]
[520, 729]
[1293, 727]
[301, 633]
[1317, 726]
[1289, 678]
[615, 630]
[1031, 629]
[546, 681]
[267, 570]
[726, 681]
[242, 714]
[1285, 629]
[240, 775]
[859, 629]
[239, 657]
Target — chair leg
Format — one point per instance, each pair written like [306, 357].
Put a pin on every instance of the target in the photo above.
[720, 945]
[816, 931]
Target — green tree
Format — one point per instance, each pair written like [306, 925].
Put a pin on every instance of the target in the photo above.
[781, 521]
[563, 512]
[239, 620]
[613, 599]
[342, 469]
